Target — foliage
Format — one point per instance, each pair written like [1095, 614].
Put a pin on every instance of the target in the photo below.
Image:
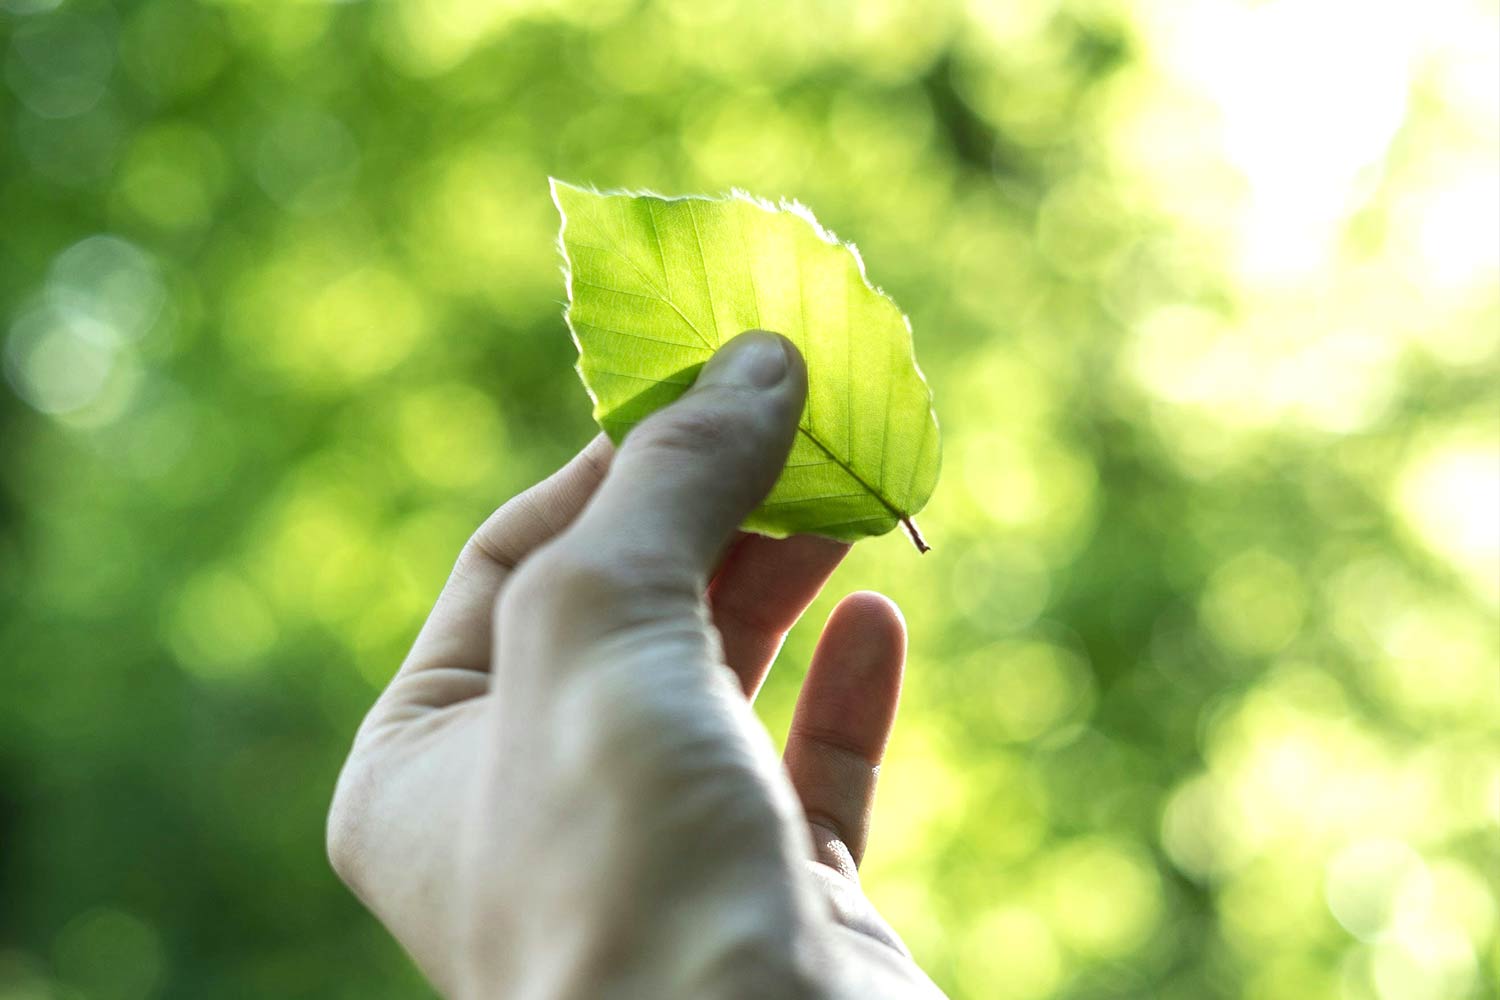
[656, 285]
[1202, 696]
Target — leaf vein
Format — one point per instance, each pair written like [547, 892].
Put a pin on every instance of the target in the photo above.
[626, 258]
[927, 426]
[708, 288]
[595, 370]
[648, 298]
[792, 501]
[749, 267]
[848, 468]
[633, 336]
[853, 521]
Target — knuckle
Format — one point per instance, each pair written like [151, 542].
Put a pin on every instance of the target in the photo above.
[489, 547]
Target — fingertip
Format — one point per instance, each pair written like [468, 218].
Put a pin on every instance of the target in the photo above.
[792, 350]
[873, 623]
[796, 370]
[686, 477]
[871, 607]
[755, 359]
[853, 685]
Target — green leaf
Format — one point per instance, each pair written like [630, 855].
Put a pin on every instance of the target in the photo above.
[655, 285]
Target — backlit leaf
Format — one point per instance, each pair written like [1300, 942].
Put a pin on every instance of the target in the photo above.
[656, 285]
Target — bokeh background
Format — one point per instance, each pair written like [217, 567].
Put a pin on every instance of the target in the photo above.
[1205, 688]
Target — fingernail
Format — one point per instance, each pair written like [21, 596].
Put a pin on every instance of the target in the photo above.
[755, 359]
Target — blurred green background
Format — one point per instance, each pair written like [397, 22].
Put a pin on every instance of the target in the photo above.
[1205, 688]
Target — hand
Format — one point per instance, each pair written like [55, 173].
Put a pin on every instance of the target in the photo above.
[564, 791]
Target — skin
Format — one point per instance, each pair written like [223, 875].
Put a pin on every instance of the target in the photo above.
[564, 791]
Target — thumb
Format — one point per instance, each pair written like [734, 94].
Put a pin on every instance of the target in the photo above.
[687, 476]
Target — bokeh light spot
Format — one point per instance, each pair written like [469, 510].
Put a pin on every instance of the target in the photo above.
[173, 176]
[429, 37]
[1033, 688]
[315, 554]
[1199, 832]
[174, 49]
[450, 435]
[306, 160]
[59, 65]
[1254, 603]
[110, 954]
[1448, 495]
[1434, 963]
[1102, 895]
[112, 282]
[1368, 880]
[1010, 953]
[324, 316]
[58, 361]
[1000, 588]
[219, 624]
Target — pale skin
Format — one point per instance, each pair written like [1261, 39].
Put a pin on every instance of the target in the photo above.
[565, 792]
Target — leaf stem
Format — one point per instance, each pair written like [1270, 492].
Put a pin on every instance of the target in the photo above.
[916, 536]
[906, 521]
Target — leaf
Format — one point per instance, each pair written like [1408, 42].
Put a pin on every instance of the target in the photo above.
[656, 284]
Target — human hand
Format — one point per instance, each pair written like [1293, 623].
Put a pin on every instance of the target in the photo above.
[565, 792]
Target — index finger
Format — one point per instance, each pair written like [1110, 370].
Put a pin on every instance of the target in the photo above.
[457, 633]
